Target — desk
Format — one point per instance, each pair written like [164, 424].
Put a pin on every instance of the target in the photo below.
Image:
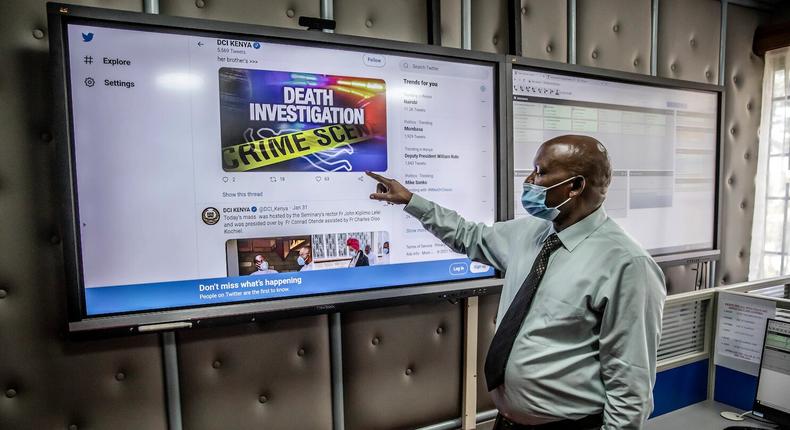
[700, 416]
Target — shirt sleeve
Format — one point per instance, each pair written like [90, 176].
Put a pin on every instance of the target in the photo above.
[630, 333]
[480, 242]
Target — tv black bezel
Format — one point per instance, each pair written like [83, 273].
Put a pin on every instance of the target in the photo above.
[59, 15]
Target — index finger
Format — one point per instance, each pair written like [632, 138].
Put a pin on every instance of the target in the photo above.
[378, 177]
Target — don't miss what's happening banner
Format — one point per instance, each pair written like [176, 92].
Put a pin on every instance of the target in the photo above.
[301, 122]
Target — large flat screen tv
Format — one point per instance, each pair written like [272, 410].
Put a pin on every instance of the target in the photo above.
[218, 170]
[662, 137]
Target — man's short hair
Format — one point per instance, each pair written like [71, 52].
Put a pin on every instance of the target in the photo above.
[590, 159]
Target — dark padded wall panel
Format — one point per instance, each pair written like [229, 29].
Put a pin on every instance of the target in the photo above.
[451, 23]
[274, 375]
[487, 425]
[544, 29]
[47, 382]
[402, 366]
[688, 39]
[743, 79]
[614, 34]
[51, 384]
[404, 20]
[486, 326]
[489, 26]
[278, 13]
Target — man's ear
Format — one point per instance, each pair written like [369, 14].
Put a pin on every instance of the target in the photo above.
[577, 186]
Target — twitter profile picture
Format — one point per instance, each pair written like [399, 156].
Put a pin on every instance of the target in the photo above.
[210, 216]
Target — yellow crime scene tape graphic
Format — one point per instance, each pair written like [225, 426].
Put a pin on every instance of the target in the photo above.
[284, 147]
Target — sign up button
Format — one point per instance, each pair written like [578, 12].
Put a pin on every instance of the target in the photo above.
[479, 267]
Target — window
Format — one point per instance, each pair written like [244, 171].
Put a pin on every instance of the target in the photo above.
[771, 230]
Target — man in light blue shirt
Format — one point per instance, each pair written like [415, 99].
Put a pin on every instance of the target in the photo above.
[585, 329]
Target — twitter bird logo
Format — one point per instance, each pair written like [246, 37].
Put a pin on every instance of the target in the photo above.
[87, 37]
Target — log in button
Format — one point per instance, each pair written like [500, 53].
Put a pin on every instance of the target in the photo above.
[458, 269]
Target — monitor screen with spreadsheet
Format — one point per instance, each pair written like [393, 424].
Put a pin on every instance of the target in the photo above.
[662, 143]
[772, 400]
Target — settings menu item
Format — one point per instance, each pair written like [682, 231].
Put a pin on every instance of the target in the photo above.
[103, 70]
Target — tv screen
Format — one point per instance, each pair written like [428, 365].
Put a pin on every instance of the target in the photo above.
[662, 143]
[211, 168]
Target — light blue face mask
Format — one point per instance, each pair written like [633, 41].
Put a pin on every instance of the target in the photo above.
[300, 261]
[533, 198]
[264, 266]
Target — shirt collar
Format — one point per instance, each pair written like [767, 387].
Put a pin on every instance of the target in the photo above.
[572, 236]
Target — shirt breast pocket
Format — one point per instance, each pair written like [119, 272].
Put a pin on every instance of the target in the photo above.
[554, 309]
[557, 322]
